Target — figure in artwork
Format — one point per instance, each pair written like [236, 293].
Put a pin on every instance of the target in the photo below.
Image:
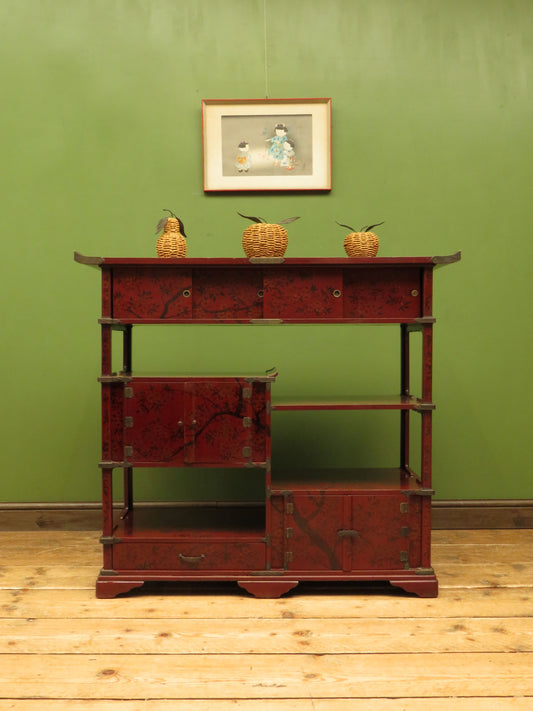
[242, 162]
[289, 156]
[275, 150]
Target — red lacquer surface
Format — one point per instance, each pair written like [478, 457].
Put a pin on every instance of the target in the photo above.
[352, 524]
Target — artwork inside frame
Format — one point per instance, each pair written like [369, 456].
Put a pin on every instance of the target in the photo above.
[266, 144]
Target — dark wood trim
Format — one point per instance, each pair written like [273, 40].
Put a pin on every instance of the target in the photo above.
[87, 516]
[482, 513]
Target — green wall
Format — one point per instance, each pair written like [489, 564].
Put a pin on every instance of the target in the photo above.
[100, 130]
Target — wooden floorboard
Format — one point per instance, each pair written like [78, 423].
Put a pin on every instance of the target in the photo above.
[213, 647]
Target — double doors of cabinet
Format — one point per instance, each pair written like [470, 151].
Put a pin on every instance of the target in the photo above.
[174, 422]
[348, 532]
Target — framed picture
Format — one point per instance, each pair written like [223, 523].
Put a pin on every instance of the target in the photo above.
[267, 144]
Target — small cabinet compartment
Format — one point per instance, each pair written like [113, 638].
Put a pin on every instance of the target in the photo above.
[382, 293]
[196, 422]
[306, 526]
[151, 294]
[189, 556]
[191, 538]
[351, 532]
[303, 294]
[227, 294]
[385, 531]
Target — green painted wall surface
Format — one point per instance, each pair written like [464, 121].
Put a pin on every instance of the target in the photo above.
[100, 130]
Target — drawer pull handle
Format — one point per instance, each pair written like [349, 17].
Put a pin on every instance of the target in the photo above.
[347, 533]
[191, 558]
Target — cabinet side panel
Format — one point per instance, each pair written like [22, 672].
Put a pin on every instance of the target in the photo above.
[112, 422]
[277, 531]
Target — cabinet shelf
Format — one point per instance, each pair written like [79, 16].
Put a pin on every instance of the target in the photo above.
[384, 402]
[346, 479]
[194, 521]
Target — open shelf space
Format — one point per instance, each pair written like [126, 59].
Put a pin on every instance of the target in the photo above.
[193, 520]
[369, 479]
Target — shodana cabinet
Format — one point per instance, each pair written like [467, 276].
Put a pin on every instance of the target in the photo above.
[355, 524]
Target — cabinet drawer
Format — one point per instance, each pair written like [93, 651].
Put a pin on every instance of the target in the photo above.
[151, 294]
[189, 556]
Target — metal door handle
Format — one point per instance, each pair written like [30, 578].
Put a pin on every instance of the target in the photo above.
[191, 558]
[347, 533]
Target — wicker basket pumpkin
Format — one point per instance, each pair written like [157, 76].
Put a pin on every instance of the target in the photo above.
[264, 239]
[172, 242]
[363, 243]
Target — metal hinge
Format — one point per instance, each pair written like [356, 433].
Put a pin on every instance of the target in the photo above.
[128, 421]
[247, 452]
[424, 406]
[246, 421]
[289, 508]
[288, 558]
[128, 392]
[246, 393]
[404, 508]
[128, 451]
[404, 558]
[404, 531]
[424, 571]
[288, 533]
[418, 492]
[109, 540]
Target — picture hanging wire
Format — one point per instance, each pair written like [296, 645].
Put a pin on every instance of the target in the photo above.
[266, 47]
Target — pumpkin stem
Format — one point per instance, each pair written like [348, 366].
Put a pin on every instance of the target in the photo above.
[367, 229]
[347, 226]
[253, 219]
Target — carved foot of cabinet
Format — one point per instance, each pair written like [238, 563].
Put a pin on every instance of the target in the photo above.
[423, 586]
[108, 587]
[267, 588]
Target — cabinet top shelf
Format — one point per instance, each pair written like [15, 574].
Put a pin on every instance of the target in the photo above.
[266, 290]
[265, 261]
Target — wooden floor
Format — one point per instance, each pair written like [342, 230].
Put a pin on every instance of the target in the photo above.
[221, 650]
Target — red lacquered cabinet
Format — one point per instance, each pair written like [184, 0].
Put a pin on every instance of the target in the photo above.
[354, 524]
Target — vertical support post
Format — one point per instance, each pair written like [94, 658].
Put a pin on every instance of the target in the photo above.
[268, 475]
[404, 390]
[106, 349]
[107, 515]
[128, 490]
[126, 350]
[425, 533]
[427, 393]
[427, 362]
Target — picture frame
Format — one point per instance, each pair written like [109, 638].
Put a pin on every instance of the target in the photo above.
[266, 144]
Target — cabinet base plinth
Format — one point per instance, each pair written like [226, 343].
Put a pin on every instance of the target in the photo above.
[267, 588]
[423, 585]
[109, 587]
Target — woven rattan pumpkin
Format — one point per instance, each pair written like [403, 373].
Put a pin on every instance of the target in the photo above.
[265, 239]
[363, 243]
[172, 242]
